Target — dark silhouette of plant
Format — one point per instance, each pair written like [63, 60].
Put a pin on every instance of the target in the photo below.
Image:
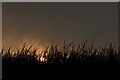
[69, 53]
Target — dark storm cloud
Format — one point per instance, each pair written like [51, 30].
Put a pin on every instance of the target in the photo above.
[60, 21]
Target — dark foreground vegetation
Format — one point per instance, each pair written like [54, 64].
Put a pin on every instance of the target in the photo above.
[66, 62]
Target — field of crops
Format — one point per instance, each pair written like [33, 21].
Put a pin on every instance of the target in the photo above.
[68, 53]
[67, 60]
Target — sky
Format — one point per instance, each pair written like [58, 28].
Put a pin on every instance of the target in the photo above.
[0, 39]
[0, 24]
[42, 23]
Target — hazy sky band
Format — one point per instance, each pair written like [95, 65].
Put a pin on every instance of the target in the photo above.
[49, 22]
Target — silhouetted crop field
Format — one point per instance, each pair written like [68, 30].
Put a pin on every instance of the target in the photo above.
[67, 61]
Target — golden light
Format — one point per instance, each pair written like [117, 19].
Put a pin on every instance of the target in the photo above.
[26, 40]
[42, 59]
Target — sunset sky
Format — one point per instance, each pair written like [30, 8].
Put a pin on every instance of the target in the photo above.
[0, 25]
[42, 23]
